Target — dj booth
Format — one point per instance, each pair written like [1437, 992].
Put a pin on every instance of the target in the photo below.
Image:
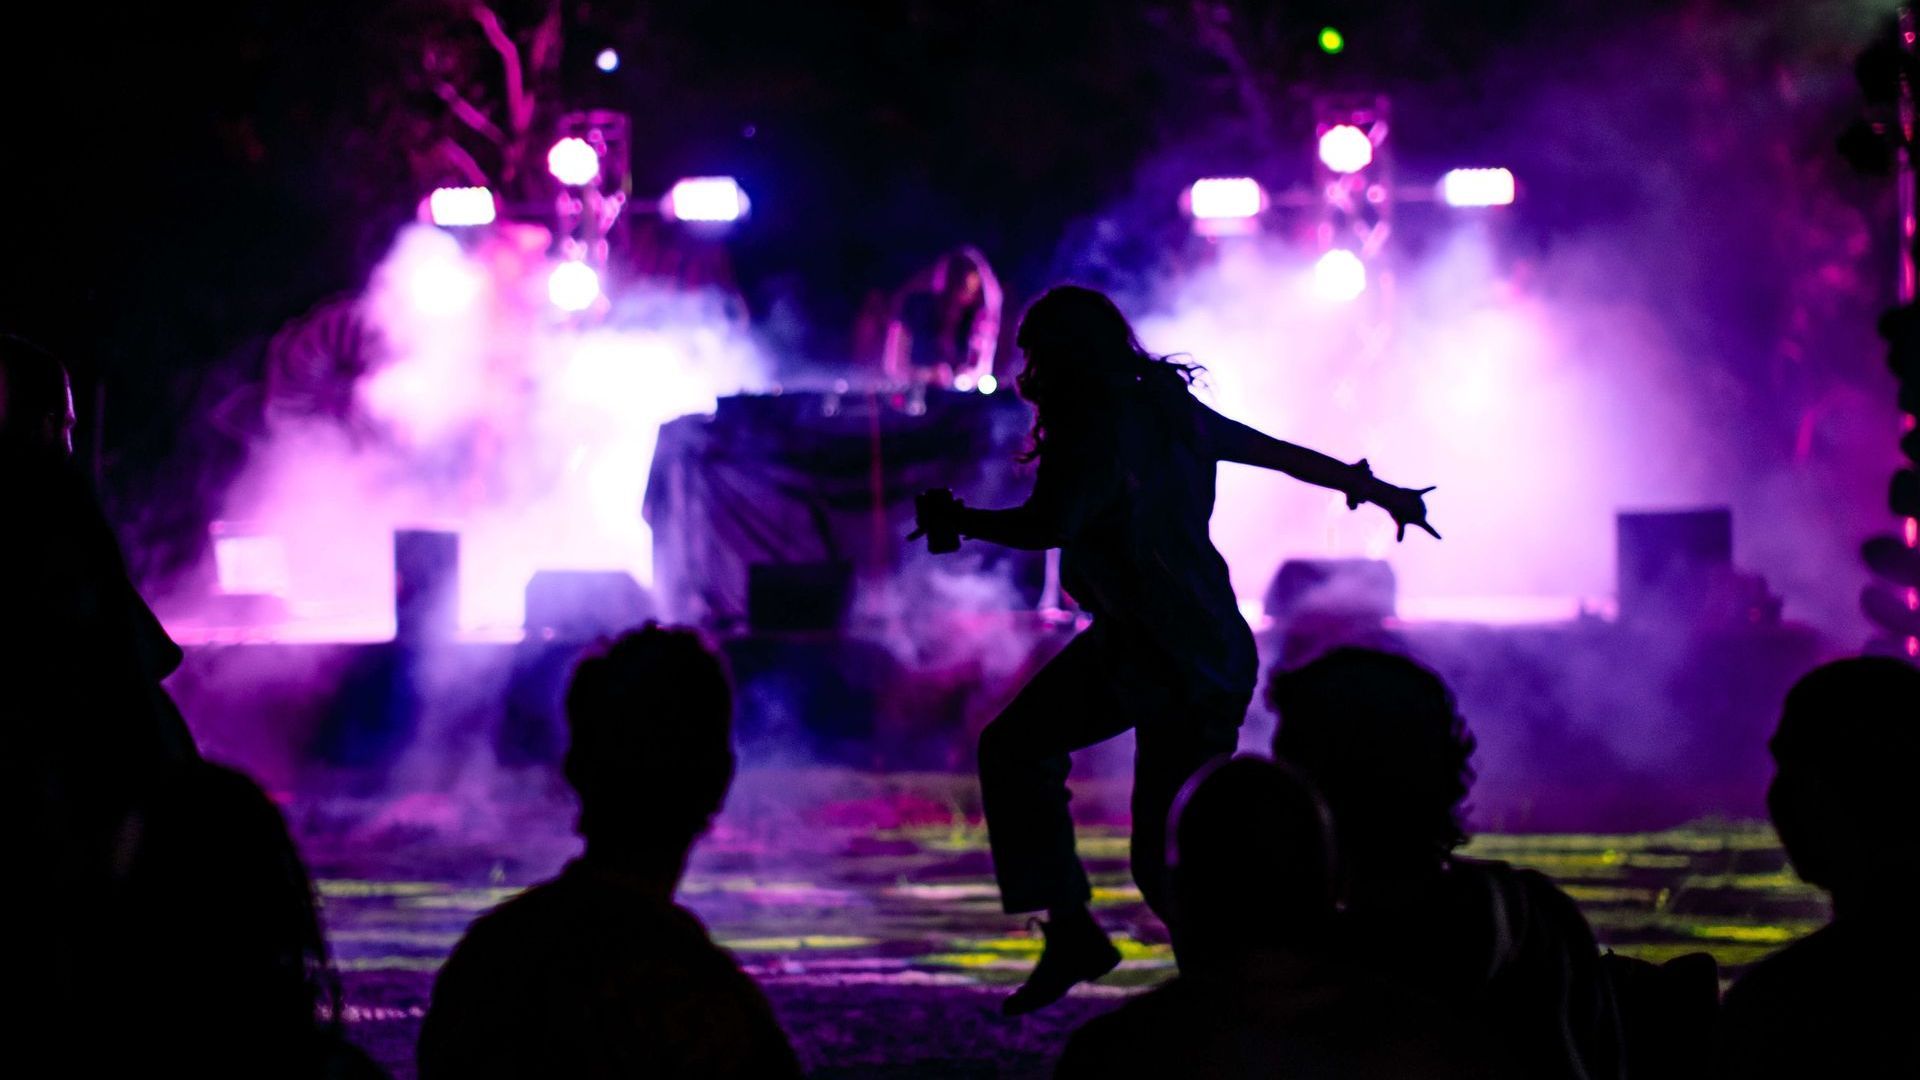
[792, 495]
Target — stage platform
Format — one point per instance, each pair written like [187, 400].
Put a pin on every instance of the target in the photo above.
[1583, 723]
[864, 904]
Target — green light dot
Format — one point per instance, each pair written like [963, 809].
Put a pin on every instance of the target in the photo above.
[1331, 40]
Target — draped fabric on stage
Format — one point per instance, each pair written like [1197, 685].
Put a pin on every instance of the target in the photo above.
[813, 478]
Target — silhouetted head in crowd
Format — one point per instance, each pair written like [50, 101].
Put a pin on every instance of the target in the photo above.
[218, 946]
[1845, 757]
[1250, 857]
[36, 399]
[1382, 739]
[1079, 349]
[652, 745]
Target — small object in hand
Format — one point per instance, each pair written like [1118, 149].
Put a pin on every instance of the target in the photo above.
[933, 513]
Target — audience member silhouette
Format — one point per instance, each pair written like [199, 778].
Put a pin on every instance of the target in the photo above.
[76, 639]
[214, 962]
[1383, 740]
[1259, 995]
[81, 659]
[598, 972]
[1124, 487]
[1842, 1001]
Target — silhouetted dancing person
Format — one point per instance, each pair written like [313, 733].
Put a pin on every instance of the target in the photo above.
[1382, 739]
[214, 960]
[1843, 1000]
[1260, 995]
[1125, 487]
[598, 972]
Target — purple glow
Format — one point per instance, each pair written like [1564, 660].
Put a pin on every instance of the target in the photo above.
[553, 423]
[1345, 149]
[573, 162]
[461, 206]
[437, 280]
[247, 563]
[716, 199]
[1477, 187]
[1597, 380]
[1225, 198]
[573, 286]
[1339, 275]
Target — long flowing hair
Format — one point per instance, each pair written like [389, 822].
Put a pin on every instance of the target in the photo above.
[1081, 352]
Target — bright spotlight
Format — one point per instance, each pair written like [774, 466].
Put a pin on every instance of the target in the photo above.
[442, 287]
[1345, 149]
[988, 384]
[573, 286]
[1477, 187]
[706, 198]
[1332, 41]
[1225, 197]
[573, 161]
[456, 206]
[608, 61]
[1339, 275]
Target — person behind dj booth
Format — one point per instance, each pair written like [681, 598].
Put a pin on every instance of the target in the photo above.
[1125, 488]
[946, 323]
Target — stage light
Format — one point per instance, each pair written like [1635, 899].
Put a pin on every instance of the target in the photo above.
[706, 198]
[1331, 40]
[1345, 149]
[573, 286]
[1225, 197]
[247, 561]
[573, 162]
[443, 287]
[1477, 187]
[988, 384]
[608, 61]
[1339, 275]
[457, 206]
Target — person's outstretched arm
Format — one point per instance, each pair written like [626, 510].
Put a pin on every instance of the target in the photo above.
[1067, 489]
[1234, 441]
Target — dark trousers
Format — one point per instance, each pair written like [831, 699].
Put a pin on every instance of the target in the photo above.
[1100, 685]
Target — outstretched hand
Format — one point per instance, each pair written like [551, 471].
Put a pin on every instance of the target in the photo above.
[1406, 506]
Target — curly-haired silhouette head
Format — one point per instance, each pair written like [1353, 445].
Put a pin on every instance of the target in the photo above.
[1383, 740]
[215, 931]
[1844, 756]
[1080, 349]
[651, 754]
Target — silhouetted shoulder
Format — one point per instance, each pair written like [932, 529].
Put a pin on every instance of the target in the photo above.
[341, 1060]
[1527, 953]
[586, 975]
[1342, 1024]
[1839, 1002]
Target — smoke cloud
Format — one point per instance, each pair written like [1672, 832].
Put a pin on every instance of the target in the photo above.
[1535, 417]
[488, 415]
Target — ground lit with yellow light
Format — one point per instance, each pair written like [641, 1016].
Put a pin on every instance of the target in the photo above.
[876, 930]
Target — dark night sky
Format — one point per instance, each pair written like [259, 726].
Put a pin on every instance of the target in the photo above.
[217, 160]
